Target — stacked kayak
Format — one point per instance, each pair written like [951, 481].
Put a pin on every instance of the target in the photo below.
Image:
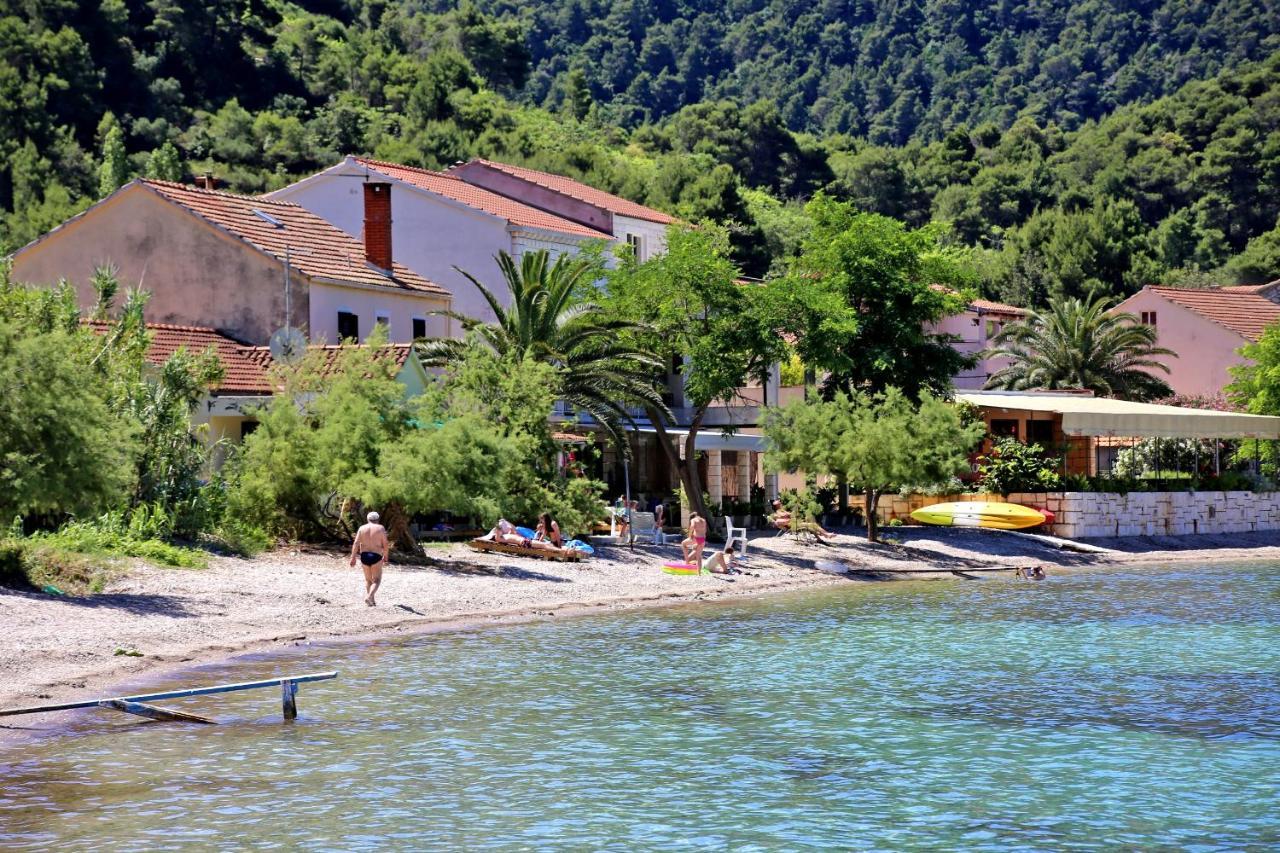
[990, 514]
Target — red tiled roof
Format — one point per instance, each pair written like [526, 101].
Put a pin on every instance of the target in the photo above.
[453, 187]
[582, 192]
[246, 368]
[399, 353]
[1239, 309]
[244, 374]
[989, 307]
[983, 306]
[316, 247]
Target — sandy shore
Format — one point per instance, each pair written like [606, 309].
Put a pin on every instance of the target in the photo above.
[56, 649]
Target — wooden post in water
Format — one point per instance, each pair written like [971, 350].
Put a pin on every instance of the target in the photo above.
[289, 694]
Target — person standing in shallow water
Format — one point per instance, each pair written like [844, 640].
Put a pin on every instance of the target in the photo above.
[370, 548]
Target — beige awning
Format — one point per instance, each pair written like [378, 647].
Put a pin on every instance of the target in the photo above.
[1084, 415]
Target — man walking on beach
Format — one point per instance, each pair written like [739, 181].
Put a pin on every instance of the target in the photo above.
[370, 547]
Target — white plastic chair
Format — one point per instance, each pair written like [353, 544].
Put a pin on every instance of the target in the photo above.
[734, 534]
[643, 527]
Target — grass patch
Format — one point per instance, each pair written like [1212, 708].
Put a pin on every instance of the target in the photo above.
[83, 557]
[89, 539]
[27, 563]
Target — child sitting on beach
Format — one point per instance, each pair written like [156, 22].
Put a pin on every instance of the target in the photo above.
[721, 562]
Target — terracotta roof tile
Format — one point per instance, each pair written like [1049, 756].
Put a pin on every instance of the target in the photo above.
[244, 374]
[246, 368]
[582, 192]
[453, 187]
[989, 307]
[398, 352]
[1239, 309]
[316, 247]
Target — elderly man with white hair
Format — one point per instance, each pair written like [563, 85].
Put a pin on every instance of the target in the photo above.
[370, 547]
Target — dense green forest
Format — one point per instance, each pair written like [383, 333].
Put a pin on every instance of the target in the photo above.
[890, 70]
[1075, 147]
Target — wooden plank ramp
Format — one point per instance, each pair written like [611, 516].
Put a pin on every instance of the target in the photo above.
[137, 704]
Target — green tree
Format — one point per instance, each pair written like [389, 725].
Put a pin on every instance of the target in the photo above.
[689, 307]
[62, 449]
[165, 163]
[1255, 385]
[115, 163]
[873, 442]
[865, 291]
[1076, 344]
[596, 369]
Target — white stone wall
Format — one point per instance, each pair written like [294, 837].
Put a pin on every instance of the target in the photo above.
[1080, 515]
[1086, 514]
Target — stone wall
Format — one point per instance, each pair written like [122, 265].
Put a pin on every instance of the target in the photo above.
[1090, 514]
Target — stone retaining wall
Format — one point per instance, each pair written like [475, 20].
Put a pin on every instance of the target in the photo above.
[1092, 514]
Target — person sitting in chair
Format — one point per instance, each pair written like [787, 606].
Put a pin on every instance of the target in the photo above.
[781, 519]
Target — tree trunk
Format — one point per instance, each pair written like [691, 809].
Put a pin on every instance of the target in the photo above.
[871, 497]
[686, 468]
[396, 520]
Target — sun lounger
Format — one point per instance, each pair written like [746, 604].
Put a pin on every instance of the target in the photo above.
[562, 555]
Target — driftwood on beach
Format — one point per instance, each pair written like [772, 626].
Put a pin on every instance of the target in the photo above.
[563, 555]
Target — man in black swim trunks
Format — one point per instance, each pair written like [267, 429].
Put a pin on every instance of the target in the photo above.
[370, 547]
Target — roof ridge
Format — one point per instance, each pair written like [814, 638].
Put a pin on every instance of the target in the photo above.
[256, 199]
[433, 172]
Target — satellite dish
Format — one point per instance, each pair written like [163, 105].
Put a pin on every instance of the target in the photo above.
[288, 345]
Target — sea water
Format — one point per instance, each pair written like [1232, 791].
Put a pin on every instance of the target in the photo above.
[1107, 709]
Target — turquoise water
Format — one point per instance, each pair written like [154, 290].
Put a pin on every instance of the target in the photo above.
[1132, 709]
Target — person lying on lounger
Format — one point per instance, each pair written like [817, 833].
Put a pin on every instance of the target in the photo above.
[506, 533]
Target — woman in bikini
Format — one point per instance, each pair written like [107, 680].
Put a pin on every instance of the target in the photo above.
[548, 532]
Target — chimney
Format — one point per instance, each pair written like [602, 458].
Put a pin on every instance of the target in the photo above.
[207, 181]
[377, 225]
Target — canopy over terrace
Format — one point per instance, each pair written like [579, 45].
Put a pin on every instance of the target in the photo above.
[1083, 415]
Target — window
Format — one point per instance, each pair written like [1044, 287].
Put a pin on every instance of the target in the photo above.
[636, 242]
[247, 428]
[1149, 318]
[348, 326]
[384, 322]
[1005, 427]
[1040, 432]
[419, 328]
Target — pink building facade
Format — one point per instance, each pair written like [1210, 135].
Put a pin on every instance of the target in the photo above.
[972, 331]
[1205, 327]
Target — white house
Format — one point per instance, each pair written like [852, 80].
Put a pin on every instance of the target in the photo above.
[643, 228]
[443, 220]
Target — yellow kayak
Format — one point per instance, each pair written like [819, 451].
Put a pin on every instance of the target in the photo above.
[993, 514]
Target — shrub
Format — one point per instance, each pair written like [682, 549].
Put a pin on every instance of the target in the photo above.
[1012, 466]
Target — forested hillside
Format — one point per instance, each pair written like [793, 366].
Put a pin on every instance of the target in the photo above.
[1004, 151]
[889, 70]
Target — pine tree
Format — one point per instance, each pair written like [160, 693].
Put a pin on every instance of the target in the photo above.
[115, 166]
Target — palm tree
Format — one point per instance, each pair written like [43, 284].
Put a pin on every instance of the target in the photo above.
[600, 374]
[1074, 344]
